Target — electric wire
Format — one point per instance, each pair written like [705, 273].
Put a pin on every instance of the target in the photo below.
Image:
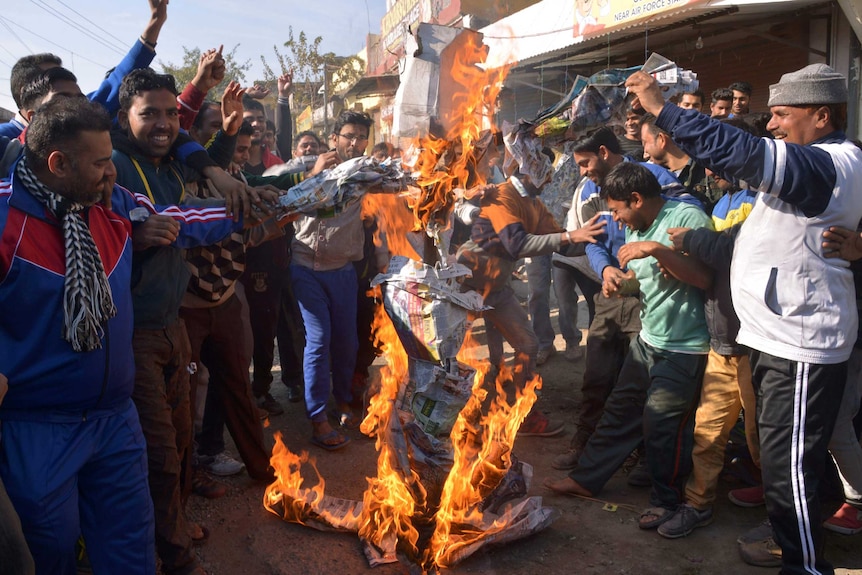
[66, 20]
[120, 40]
[11, 31]
[57, 45]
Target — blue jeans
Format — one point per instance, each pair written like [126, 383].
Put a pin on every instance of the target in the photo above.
[327, 302]
[539, 299]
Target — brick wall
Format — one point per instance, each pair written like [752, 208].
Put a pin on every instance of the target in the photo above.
[754, 59]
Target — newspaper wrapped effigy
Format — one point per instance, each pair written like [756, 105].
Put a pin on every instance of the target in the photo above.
[344, 184]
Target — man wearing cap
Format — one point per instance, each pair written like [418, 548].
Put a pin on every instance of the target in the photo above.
[797, 310]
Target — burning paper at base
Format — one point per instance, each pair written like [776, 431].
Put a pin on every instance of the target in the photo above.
[447, 482]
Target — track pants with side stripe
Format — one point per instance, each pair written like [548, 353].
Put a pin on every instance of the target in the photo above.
[797, 404]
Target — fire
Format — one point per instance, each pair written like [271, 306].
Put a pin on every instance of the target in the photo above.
[428, 519]
[391, 500]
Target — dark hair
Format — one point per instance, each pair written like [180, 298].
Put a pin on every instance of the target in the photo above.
[309, 133]
[249, 103]
[144, 80]
[33, 93]
[351, 117]
[648, 120]
[628, 177]
[58, 124]
[743, 87]
[632, 110]
[381, 147]
[722, 94]
[245, 129]
[753, 123]
[199, 118]
[697, 94]
[26, 69]
[601, 137]
[270, 125]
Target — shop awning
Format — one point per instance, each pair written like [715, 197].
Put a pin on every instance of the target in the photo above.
[555, 25]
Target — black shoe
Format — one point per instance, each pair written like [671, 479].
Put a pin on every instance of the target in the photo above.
[294, 393]
[268, 403]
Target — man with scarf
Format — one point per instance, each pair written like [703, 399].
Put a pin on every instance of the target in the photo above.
[72, 456]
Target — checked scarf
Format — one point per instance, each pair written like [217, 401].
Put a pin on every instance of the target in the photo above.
[87, 301]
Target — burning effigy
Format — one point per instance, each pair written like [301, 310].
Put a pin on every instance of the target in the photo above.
[448, 481]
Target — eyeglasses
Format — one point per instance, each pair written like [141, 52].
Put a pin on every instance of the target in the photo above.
[353, 138]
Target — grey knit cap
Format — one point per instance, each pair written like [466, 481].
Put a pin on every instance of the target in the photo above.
[813, 84]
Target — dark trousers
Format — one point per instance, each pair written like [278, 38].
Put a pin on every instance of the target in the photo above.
[273, 311]
[797, 404]
[161, 396]
[654, 400]
[615, 324]
[220, 339]
[566, 279]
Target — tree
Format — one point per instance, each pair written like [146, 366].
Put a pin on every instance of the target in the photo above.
[311, 69]
[184, 72]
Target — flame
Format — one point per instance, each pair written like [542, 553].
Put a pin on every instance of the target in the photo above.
[287, 489]
[399, 512]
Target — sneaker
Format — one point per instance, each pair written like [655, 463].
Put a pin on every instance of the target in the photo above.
[847, 520]
[763, 553]
[684, 521]
[221, 464]
[569, 459]
[574, 353]
[759, 533]
[566, 461]
[205, 486]
[294, 395]
[544, 355]
[537, 424]
[268, 402]
[747, 496]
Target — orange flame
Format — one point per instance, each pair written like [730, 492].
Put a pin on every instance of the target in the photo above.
[390, 502]
[397, 511]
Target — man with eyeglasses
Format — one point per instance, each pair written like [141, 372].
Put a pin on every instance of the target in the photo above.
[325, 284]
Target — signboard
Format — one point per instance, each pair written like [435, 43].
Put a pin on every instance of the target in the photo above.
[592, 16]
[403, 14]
[304, 120]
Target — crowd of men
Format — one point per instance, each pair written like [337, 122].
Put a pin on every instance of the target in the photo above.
[143, 271]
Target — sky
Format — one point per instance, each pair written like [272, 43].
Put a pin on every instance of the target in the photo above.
[38, 26]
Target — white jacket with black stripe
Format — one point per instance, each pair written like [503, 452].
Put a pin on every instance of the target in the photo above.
[792, 302]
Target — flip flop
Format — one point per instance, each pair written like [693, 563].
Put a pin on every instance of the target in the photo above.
[652, 517]
[325, 441]
[200, 534]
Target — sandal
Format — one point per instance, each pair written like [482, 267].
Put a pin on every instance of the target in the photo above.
[652, 517]
[330, 441]
[199, 533]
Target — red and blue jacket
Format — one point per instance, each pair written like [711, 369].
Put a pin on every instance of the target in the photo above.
[47, 379]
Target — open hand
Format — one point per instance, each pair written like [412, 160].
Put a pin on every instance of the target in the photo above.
[258, 92]
[842, 243]
[231, 108]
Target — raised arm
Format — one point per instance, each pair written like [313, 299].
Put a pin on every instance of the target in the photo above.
[283, 120]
